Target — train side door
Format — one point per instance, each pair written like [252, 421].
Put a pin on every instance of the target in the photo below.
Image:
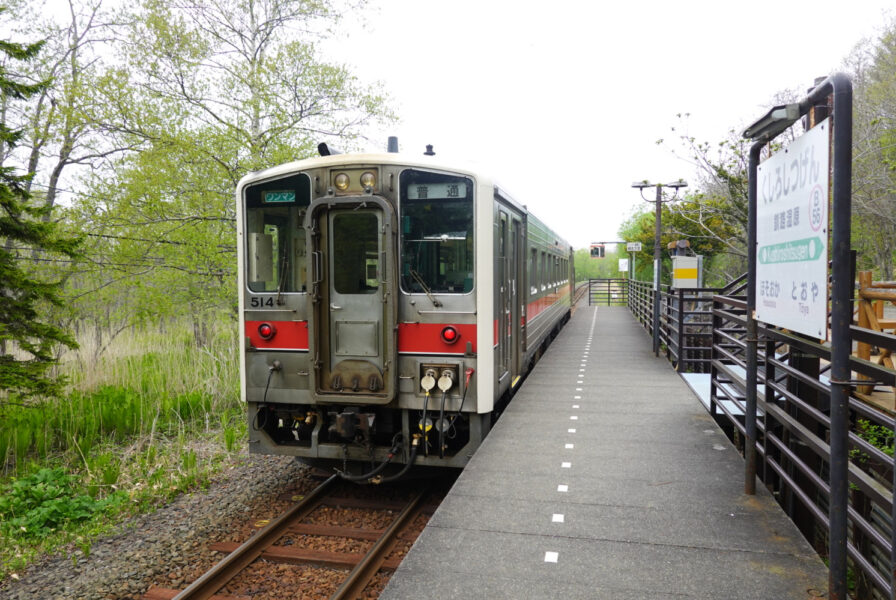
[351, 333]
[502, 280]
[510, 248]
[517, 308]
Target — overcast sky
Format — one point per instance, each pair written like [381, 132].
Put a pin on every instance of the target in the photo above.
[563, 101]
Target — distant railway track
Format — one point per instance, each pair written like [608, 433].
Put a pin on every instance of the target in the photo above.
[323, 550]
[580, 290]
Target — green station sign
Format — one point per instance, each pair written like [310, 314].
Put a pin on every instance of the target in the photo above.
[807, 249]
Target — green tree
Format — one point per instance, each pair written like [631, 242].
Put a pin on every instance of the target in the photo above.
[873, 71]
[717, 199]
[698, 219]
[27, 340]
[204, 93]
[712, 216]
[598, 268]
[63, 135]
[58, 128]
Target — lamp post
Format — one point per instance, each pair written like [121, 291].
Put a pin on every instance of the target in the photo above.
[774, 122]
[657, 258]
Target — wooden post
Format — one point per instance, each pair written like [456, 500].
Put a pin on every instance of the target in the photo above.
[863, 350]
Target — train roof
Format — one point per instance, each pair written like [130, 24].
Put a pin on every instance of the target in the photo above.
[365, 158]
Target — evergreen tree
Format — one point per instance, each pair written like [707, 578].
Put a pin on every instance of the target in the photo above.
[27, 341]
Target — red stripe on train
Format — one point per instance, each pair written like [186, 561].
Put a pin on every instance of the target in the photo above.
[426, 338]
[289, 335]
[533, 309]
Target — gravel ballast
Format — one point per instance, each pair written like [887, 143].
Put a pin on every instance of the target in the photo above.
[169, 545]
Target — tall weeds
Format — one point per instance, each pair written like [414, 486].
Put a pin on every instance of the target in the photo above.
[150, 415]
[145, 386]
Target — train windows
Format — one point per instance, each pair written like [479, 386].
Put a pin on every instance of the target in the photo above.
[355, 253]
[275, 238]
[436, 213]
[533, 272]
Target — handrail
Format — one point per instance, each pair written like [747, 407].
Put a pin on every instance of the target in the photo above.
[793, 429]
[704, 330]
[609, 292]
[685, 320]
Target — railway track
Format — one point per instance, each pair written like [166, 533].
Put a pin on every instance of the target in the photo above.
[286, 556]
[578, 293]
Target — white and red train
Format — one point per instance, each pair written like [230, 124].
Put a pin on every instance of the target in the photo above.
[390, 306]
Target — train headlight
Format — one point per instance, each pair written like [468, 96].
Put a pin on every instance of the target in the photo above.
[341, 182]
[266, 331]
[368, 179]
[450, 335]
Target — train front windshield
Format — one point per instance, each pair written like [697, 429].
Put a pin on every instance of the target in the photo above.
[275, 239]
[436, 233]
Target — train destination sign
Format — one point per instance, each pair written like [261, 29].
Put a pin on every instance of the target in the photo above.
[437, 191]
[271, 197]
[792, 235]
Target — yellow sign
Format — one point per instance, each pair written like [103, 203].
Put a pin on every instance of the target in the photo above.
[685, 272]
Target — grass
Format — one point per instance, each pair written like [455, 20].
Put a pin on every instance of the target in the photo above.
[156, 415]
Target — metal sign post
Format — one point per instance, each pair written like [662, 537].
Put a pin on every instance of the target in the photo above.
[792, 235]
[794, 245]
[623, 265]
[632, 248]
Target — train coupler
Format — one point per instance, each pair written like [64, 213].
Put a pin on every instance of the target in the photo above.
[351, 424]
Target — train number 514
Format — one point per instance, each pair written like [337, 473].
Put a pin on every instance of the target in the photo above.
[256, 302]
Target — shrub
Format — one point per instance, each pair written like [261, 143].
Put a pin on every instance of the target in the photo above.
[45, 501]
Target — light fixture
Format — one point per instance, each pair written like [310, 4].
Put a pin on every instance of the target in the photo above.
[266, 331]
[773, 122]
[368, 179]
[450, 335]
[681, 183]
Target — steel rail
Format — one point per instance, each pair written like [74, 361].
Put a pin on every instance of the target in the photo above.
[364, 571]
[218, 576]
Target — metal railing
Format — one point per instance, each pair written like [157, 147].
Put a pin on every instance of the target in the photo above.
[704, 330]
[608, 292]
[685, 320]
[793, 432]
[689, 321]
[640, 302]
[826, 450]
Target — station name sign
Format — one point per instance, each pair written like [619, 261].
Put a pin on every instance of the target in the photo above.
[792, 235]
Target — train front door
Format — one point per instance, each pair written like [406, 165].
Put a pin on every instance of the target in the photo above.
[352, 330]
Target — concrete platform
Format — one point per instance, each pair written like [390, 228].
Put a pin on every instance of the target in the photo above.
[606, 478]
